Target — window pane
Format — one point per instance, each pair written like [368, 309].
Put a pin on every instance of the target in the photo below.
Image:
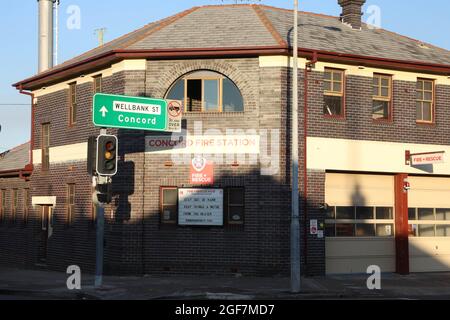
[412, 230]
[412, 214]
[232, 98]
[380, 109]
[426, 230]
[211, 88]
[419, 110]
[376, 91]
[170, 196]
[365, 230]
[177, 91]
[194, 95]
[419, 95]
[427, 111]
[428, 96]
[385, 92]
[385, 230]
[442, 214]
[364, 212]
[337, 76]
[426, 214]
[385, 82]
[236, 196]
[428, 85]
[345, 212]
[169, 213]
[344, 230]
[419, 85]
[235, 214]
[327, 75]
[443, 230]
[329, 230]
[384, 213]
[332, 105]
[376, 81]
[337, 87]
[327, 86]
[329, 213]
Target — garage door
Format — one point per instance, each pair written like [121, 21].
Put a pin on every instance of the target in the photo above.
[359, 223]
[429, 224]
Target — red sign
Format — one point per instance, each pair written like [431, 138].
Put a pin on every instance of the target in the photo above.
[202, 171]
[427, 158]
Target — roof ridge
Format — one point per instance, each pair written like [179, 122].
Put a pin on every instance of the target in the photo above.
[162, 24]
[268, 24]
[158, 22]
[302, 12]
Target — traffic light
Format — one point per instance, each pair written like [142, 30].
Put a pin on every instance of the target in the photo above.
[107, 146]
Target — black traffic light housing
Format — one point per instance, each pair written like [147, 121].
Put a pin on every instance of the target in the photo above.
[107, 155]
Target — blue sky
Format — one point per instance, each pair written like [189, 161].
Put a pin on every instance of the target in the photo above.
[424, 20]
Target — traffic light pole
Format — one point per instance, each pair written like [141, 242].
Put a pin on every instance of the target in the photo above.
[99, 245]
[100, 232]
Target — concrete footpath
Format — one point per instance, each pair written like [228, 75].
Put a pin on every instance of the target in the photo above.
[34, 284]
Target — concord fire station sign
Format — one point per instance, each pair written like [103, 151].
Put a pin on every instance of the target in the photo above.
[139, 113]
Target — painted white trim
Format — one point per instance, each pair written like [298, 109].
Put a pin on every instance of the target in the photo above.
[370, 156]
[61, 154]
[40, 201]
[283, 61]
[125, 65]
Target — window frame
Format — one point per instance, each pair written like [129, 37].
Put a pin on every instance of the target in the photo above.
[14, 204]
[335, 93]
[70, 207]
[433, 100]
[214, 75]
[413, 224]
[97, 87]
[163, 222]
[379, 97]
[25, 204]
[45, 143]
[72, 104]
[355, 222]
[2, 204]
[228, 205]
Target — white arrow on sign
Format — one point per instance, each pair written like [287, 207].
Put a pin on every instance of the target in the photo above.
[103, 110]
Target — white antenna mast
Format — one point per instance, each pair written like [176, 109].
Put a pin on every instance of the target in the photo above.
[55, 54]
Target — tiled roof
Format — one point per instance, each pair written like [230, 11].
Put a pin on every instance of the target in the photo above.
[240, 26]
[16, 158]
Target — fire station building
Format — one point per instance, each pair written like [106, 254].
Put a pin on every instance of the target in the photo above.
[374, 119]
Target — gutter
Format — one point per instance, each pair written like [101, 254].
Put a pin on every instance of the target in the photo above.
[308, 67]
[107, 58]
[29, 167]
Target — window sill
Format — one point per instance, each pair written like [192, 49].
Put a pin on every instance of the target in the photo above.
[214, 113]
[336, 118]
[426, 124]
[383, 121]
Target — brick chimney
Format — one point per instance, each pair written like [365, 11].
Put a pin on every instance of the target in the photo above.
[352, 12]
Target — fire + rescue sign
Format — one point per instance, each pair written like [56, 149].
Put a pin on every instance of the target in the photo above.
[427, 158]
[202, 171]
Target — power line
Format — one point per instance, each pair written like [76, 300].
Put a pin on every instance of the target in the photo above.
[14, 104]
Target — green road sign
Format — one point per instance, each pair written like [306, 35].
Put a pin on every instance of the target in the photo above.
[114, 111]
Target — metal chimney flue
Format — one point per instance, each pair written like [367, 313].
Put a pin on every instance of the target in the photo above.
[46, 36]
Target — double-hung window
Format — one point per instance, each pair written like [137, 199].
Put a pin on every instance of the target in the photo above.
[334, 86]
[382, 97]
[425, 101]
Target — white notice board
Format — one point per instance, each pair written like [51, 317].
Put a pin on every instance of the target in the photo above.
[200, 207]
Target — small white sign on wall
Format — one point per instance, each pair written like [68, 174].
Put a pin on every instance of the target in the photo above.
[313, 226]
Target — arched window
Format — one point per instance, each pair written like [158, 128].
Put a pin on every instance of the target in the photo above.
[207, 91]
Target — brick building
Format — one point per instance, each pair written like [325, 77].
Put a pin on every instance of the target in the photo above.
[371, 97]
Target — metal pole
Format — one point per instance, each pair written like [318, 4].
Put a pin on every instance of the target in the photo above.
[295, 224]
[99, 245]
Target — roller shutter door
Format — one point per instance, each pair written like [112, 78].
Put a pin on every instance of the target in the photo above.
[429, 224]
[359, 223]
